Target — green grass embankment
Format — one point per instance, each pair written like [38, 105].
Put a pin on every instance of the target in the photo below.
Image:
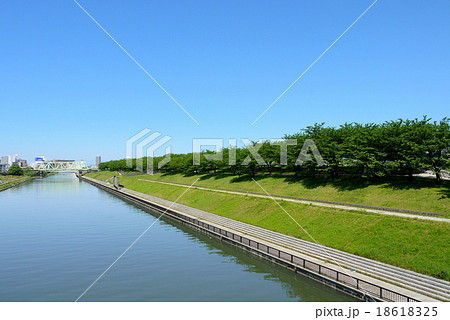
[10, 181]
[419, 195]
[418, 245]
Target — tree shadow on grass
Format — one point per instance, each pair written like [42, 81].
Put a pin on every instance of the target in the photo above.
[400, 183]
[203, 176]
[168, 174]
[355, 183]
[309, 182]
[444, 194]
[341, 184]
[215, 176]
[185, 174]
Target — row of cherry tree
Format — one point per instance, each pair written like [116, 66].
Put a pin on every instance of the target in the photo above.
[372, 151]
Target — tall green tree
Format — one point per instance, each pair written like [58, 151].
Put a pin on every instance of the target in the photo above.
[437, 146]
[15, 171]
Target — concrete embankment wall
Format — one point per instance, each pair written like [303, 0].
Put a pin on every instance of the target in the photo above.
[359, 286]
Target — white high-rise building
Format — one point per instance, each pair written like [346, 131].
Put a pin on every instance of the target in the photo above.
[7, 161]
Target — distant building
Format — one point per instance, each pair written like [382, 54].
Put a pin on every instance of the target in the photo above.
[98, 160]
[38, 161]
[7, 161]
[21, 163]
[4, 167]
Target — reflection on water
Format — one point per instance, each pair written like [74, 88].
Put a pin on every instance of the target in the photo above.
[57, 235]
[296, 286]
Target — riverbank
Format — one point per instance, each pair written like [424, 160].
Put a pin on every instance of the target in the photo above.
[420, 194]
[418, 245]
[6, 184]
[290, 251]
[329, 204]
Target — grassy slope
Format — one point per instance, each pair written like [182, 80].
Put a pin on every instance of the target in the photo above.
[413, 244]
[420, 195]
[102, 175]
[8, 180]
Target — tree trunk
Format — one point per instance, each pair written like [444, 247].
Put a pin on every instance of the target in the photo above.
[335, 172]
[296, 170]
[410, 174]
[438, 177]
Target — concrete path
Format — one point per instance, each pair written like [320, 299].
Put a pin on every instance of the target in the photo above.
[311, 202]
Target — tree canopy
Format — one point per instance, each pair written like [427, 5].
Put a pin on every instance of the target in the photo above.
[371, 151]
[15, 171]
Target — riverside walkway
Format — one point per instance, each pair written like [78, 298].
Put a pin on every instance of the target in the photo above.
[329, 204]
[371, 279]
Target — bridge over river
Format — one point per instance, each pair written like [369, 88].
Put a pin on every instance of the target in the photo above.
[61, 166]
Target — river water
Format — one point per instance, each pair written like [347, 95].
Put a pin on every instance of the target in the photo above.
[58, 235]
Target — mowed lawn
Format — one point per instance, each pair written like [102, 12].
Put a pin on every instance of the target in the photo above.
[10, 178]
[6, 181]
[418, 245]
[420, 195]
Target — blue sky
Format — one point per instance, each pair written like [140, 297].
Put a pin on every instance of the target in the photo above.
[68, 91]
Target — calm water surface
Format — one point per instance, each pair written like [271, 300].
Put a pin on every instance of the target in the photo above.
[57, 235]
